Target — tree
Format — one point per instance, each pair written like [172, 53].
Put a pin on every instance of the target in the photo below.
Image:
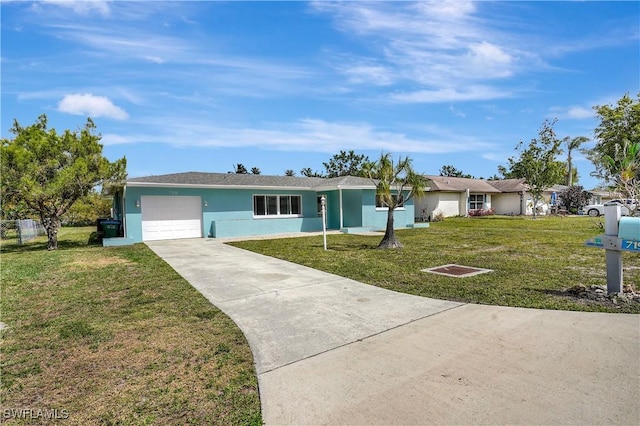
[396, 184]
[87, 208]
[49, 172]
[239, 169]
[574, 198]
[619, 125]
[346, 164]
[307, 172]
[289, 172]
[451, 171]
[537, 163]
[625, 171]
[572, 144]
[255, 171]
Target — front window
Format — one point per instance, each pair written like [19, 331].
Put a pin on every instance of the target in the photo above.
[277, 205]
[476, 201]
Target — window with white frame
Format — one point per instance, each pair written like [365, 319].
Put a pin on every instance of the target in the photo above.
[277, 205]
[476, 201]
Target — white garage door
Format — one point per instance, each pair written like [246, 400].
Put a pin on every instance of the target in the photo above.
[169, 218]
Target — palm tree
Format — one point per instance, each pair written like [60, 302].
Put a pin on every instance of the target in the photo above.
[572, 144]
[396, 184]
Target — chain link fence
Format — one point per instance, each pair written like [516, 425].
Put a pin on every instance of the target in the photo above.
[20, 231]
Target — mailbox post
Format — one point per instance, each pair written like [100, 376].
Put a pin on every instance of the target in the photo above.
[620, 234]
[613, 253]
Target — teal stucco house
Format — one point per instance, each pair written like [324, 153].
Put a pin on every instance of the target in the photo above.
[222, 205]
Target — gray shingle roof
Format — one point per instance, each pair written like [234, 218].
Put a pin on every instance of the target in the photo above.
[456, 184]
[509, 185]
[249, 180]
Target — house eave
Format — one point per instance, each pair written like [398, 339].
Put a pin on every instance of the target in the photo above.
[209, 186]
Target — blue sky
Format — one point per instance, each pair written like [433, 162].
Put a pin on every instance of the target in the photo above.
[201, 86]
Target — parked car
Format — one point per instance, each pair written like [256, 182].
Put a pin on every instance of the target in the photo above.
[595, 210]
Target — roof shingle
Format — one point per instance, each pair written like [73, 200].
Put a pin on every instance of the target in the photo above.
[250, 180]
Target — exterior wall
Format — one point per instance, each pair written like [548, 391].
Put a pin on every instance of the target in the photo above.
[333, 209]
[376, 218]
[352, 208]
[228, 212]
[447, 203]
[507, 204]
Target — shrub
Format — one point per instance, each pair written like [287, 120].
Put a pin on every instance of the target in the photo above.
[437, 217]
[482, 212]
[574, 198]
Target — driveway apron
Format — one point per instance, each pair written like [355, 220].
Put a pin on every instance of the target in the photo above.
[329, 350]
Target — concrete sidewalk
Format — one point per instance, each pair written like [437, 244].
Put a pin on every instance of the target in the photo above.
[329, 350]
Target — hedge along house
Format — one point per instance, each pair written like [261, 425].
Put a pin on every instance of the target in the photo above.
[220, 205]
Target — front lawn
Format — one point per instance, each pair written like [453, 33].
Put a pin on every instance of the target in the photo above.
[534, 261]
[116, 336]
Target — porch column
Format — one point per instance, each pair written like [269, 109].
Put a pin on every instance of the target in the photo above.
[341, 213]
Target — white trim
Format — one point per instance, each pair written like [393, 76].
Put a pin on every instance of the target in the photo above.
[341, 209]
[269, 187]
[277, 215]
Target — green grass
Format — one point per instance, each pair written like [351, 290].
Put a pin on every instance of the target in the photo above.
[116, 336]
[533, 261]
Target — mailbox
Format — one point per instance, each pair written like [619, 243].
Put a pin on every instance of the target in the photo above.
[629, 228]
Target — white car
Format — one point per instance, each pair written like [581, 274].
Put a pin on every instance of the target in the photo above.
[595, 210]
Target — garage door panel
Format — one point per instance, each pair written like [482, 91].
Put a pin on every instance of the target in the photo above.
[171, 217]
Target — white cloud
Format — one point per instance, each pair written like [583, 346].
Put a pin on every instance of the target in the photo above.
[91, 105]
[370, 73]
[305, 135]
[471, 93]
[443, 46]
[572, 112]
[81, 7]
[580, 113]
[490, 60]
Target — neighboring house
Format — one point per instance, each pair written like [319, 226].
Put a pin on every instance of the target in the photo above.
[194, 205]
[512, 198]
[454, 196]
[602, 196]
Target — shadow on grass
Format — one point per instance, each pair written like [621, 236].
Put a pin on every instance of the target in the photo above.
[42, 245]
[351, 247]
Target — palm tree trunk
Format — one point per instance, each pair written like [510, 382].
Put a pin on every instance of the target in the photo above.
[389, 240]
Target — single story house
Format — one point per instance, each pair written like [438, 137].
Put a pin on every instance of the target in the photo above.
[454, 196]
[512, 199]
[217, 205]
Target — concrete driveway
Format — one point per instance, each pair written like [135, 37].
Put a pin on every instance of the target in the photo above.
[329, 350]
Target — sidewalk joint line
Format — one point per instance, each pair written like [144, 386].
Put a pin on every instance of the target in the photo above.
[362, 339]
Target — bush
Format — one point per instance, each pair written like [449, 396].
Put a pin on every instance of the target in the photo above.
[437, 217]
[482, 212]
[574, 198]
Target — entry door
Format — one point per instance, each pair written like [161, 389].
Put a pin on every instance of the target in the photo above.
[171, 217]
